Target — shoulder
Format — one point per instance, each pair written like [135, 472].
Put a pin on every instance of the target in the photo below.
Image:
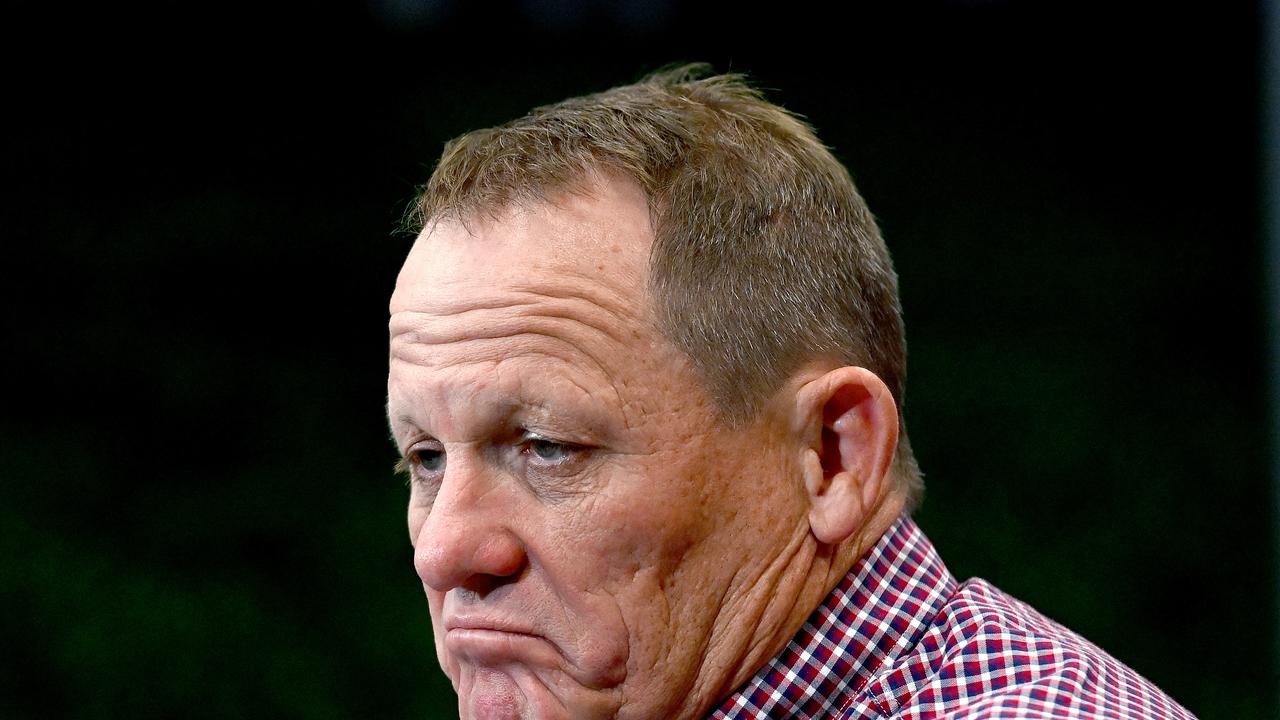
[987, 655]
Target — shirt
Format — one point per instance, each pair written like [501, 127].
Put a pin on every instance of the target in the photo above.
[900, 638]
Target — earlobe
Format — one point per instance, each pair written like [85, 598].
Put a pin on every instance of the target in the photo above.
[848, 459]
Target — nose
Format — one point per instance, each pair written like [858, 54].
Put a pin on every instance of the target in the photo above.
[466, 541]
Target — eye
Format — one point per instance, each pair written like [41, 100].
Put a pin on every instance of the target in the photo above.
[550, 453]
[423, 459]
[430, 460]
[553, 469]
[549, 450]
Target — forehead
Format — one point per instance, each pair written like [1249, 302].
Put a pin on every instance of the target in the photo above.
[539, 307]
[597, 244]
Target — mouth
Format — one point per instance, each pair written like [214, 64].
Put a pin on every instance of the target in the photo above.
[490, 642]
[483, 624]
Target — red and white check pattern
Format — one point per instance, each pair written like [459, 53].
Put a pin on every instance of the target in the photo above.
[899, 638]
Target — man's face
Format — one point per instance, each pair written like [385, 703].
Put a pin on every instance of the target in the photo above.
[587, 533]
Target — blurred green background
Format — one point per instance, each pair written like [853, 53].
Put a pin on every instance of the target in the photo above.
[198, 516]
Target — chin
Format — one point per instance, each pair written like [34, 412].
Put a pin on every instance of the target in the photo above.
[529, 692]
[505, 669]
[495, 695]
[520, 693]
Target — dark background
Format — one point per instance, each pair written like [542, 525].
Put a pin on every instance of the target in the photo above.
[198, 516]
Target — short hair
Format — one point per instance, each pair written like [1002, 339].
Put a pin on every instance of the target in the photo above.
[765, 256]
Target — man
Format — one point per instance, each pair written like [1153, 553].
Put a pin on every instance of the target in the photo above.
[646, 368]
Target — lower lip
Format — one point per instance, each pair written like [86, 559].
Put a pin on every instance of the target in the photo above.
[494, 647]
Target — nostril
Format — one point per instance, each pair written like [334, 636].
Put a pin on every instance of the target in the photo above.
[483, 585]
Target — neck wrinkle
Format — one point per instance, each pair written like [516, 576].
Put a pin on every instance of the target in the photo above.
[784, 595]
[824, 568]
[758, 625]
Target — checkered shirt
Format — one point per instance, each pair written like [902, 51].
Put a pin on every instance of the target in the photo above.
[900, 638]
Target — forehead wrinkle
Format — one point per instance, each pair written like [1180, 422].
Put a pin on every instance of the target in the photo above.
[618, 308]
[453, 322]
[613, 292]
[438, 414]
[445, 301]
[602, 315]
[496, 356]
[425, 345]
[492, 403]
[531, 345]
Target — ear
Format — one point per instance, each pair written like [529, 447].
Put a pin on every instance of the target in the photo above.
[850, 424]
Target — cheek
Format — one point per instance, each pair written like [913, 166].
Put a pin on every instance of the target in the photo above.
[634, 543]
[417, 517]
[641, 523]
[652, 565]
[689, 518]
[611, 560]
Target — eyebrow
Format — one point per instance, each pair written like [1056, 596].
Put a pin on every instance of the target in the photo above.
[405, 419]
[588, 419]
[508, 407]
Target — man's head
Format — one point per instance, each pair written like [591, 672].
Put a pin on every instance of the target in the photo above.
[646, 362]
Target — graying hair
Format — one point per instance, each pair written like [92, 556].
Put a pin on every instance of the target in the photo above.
[765, 256]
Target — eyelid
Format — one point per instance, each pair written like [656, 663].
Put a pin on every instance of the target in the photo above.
[410, 455]
[530, 435]
[570, 460]
[417, 445]
[568, 445]
[544, 437]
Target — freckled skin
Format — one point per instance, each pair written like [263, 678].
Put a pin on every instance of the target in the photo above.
[657, 569]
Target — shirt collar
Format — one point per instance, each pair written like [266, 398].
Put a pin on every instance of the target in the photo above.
[878, 611]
